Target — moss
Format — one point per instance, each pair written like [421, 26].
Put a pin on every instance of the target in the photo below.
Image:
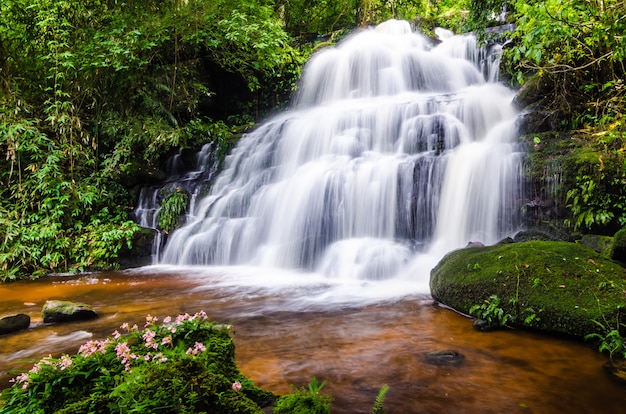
[618, 250]
[598, 243]
[556, 287]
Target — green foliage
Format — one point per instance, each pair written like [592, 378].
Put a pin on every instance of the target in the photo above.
[303, 401]
[172, 207]
[491, 312]
[184, 365]
[578, 47]
[89, 90]
[610, 339]
[380, 399]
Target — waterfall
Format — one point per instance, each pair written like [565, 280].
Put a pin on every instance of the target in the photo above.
[396, 149]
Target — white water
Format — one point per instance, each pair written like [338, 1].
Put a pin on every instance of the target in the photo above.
[394, 153]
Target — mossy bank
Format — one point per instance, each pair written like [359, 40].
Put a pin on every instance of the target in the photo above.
[556, 287]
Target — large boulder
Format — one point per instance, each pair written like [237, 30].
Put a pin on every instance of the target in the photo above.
[556, 287]
[55, 311]
[14, 323]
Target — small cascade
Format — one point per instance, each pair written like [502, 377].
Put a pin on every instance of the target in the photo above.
[397, 148]
[186, 171]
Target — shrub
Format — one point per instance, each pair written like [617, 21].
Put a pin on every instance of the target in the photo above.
[184, 365]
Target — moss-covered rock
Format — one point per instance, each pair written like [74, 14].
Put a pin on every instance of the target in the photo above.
[557, 287]
[55, 311]
[618, 249]
[598, 243]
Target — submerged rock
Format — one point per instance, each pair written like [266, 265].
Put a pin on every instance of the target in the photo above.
[556, 287]
[14, 323]
[446, 357]
[55, 311]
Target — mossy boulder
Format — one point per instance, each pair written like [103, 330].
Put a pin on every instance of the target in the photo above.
[618, 249]
[598, 243]
[55, 311]
[556, 287]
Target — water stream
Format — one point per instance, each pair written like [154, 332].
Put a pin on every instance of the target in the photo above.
[284, 337]
[317, 239]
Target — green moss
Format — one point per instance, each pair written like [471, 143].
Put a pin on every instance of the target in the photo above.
[556, 287]
[598, 243]
[618, 249]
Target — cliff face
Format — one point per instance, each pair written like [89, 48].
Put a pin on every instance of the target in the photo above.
[574, 178]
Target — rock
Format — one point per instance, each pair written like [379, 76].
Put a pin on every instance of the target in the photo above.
[484, 326]
[598, 243]
[141, 252]
[14, 323]
[447, 357]
[533, 234]
[55, 311]
[557, 287]
[616, 370]
[618, 250]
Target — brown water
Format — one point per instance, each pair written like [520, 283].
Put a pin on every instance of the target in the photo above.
[282, 339]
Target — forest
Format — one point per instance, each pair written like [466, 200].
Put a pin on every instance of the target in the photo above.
[96, 94]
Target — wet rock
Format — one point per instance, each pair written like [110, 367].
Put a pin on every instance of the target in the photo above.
[141, 252]
[446, 357]
[14, 323]
[616, 370]
[484, 326]
[55, 311]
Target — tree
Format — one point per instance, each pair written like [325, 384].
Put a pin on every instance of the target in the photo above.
[93, 91]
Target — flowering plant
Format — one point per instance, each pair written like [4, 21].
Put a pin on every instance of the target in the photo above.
[184, 364]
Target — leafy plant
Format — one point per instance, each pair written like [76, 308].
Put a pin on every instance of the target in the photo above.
[314, 386]
[491, 312]
[304, 401]
[610, 339]
[174, 204]
[185, 364]
[380, 399]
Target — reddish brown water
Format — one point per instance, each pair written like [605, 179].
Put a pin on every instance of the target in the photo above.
[356, 348]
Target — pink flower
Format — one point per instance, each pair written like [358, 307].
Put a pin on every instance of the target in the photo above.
[167, 340]
[150, 320]
[198, 347]
[167, 319]
[65, 362]
[116, 335]
[236, 386]
[21, 379]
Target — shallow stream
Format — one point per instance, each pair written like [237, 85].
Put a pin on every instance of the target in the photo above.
[287, 332]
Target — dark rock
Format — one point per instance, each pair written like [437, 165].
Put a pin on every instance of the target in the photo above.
[447, 357]
[475, 244]
[55, 311]
[598, 243]
[616, 370]
[506, 240]
[484, 326]
[141, 252]
[533, 234]
[15, 323]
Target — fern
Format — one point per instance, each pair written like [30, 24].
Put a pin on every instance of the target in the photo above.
[380, 399]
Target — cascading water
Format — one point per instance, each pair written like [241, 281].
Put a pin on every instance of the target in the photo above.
[396, 151]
